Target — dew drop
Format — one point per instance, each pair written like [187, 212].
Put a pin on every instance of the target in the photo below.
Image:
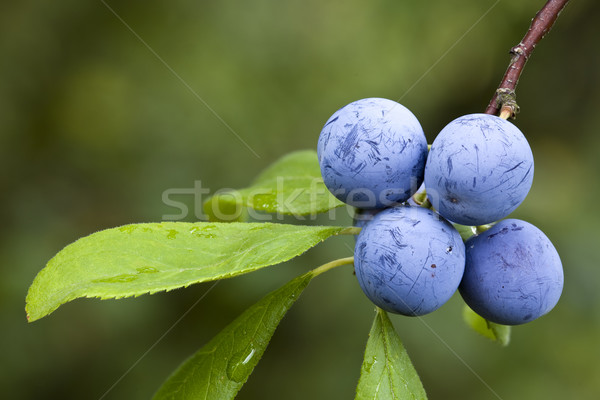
[127, 228]
[240, 364]
[117, 279]
[201, 232]
[264, 201]
[369, 364]
[146, 270]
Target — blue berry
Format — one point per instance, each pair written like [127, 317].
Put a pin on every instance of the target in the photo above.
[513, 273]
[372, 153]
[479, 169]
[409, 260]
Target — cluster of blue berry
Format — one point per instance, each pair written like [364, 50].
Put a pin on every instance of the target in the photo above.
[410, 258]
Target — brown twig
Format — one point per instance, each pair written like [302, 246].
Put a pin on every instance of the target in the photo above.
[504, 98]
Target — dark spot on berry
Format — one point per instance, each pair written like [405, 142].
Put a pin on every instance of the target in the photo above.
[453, 200]
[525, 318]
[433, 266]
[501, 232]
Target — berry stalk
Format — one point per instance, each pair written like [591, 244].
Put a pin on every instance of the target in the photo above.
[504, 98]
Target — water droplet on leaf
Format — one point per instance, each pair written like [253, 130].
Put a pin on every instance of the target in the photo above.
[369, 364]
[117, 279]
[240, 365]
[127, 228]
[146, 270]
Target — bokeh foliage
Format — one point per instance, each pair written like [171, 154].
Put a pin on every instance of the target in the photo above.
[94, 127]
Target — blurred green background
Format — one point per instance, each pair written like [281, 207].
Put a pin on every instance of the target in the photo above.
[95, 126]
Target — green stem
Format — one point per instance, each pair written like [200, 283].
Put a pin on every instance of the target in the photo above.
[351, 230]
[419, 197]
[482, 228]
[332, 264]
[426, 203]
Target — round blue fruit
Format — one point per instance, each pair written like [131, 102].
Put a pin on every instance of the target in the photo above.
[409, 260]
[372, 153]
[513, 273]
[479, 169]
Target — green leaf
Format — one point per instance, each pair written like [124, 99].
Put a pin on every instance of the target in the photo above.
[387, 372]
[496, 332]
[291, 186]
[220, 368]
[146, 258]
